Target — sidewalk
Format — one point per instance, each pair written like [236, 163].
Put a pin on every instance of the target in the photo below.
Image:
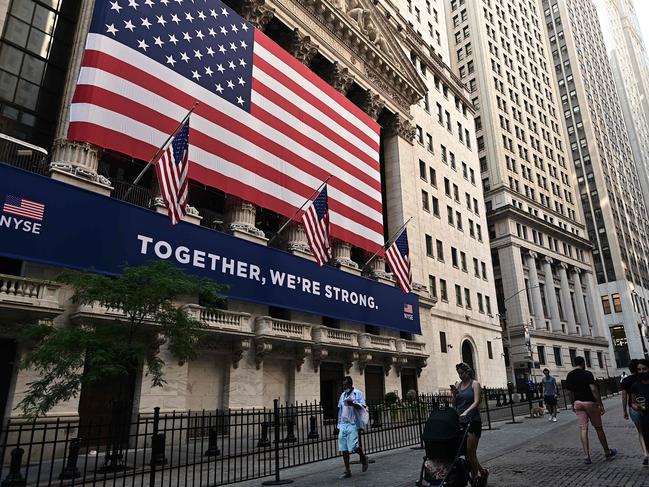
[499, 450]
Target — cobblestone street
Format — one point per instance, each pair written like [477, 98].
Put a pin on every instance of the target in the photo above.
[530, 454]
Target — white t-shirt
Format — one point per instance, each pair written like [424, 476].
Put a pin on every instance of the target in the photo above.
[346, 413]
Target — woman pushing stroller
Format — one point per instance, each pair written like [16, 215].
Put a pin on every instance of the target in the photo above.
[466, 395]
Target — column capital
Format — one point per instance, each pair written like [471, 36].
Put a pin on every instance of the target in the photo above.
[303, 48]
[402, 127]
[339, 77]
[548, 260]
[257, 13]
[532, 254]
[564, 266]
[576, 270]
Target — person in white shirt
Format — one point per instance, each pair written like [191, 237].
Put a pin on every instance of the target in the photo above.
[351, 408]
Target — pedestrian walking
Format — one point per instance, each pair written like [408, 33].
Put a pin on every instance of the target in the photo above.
[627, 405]
[587, 405]
[550, 394]
[352, 417]
[640, 402]
[466, 396]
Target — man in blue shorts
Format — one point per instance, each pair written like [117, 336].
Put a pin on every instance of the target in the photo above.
[351, 407]
[550, 393]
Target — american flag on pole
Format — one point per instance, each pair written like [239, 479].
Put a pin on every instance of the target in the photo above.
[398, 257]
[23, 207]
[267, 130]
[171, 168]
[316, 225]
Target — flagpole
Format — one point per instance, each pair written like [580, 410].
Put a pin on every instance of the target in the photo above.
[160, 149]
[388, 243]
[298, 210]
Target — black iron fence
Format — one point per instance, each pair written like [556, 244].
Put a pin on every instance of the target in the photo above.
[20, 154]
[217, 447]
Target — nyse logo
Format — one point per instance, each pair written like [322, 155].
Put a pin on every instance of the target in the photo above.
[408, 312]
[21, 214]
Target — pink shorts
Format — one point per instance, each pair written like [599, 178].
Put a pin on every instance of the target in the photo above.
[586, 411]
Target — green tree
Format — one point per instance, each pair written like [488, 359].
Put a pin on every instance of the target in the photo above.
[68, 357]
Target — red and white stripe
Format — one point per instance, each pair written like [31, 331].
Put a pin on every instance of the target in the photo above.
[400, 267]
[172, 178]
[317, 232]
[298, 132]
[28, 209]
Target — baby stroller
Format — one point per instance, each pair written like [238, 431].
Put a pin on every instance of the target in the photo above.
[444, 464]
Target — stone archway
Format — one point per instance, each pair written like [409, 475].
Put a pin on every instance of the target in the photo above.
[468, 355]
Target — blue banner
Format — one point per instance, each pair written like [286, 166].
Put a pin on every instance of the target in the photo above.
[47, 221]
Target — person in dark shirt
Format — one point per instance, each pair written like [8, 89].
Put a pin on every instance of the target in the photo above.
[640, 400]
[587, 405]
[629, 412]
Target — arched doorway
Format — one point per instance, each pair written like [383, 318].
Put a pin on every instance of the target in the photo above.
[467, 354]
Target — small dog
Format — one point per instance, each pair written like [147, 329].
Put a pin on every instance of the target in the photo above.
[537, 412]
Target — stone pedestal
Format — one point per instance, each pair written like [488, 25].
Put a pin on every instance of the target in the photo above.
[307, 381]
[172, 395]
[76, 163]
[378, 268]
[192, 215]
[244, 386]
[342, 257]
[297, 243]
[241, 219]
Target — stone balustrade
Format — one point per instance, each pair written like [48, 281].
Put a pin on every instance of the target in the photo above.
[283, 329]
[377, 342]
[222, 320]
[26, 293]
[411, 347]
[334, 337]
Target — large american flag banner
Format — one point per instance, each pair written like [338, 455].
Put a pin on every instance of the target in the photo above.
[171, 168]
[267, 129]
[398, 257]
[316, 226]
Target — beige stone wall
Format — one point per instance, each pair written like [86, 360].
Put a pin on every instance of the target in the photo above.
[206, 380]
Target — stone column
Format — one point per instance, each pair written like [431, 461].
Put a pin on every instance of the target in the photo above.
[342, 257]
[581, 306]
[566, 300]
[550, 296]
[297, 242]
[76, 162]
[594, 307]
[241, 219]
[535, 290]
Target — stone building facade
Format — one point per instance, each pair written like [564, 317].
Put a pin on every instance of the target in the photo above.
[608, 176]
[540, 248]
[372, 53]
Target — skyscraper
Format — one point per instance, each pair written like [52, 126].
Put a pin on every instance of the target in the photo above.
[608, 180]
[540, 248]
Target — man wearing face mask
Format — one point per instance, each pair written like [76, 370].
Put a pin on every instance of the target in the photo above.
[351, 408]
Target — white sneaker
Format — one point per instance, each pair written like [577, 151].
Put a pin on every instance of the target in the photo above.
[550, 418]
[554, 420]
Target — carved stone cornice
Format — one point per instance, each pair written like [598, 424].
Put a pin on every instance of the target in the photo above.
[257, 13]
[303, 48]
[339, 77]
[368, 37]
[402, 127]
[370, 103]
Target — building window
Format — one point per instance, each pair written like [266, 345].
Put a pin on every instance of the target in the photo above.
[600, 360]
[606, 304]
[449, 212]
[435, 206]
[587, 358]
[458, 295]
[420, 135]
[490, 352]
[440, 250]
[467, 298]
[557, 356]
[487, 304]
[443, 291]
[429, 246]
[573, 356]
[617, 303]
[423, 172]
[454, 256]
[442, 342]
[432, 286]
[425, 202]
[540, 349]
[463, 261]
[480, 303]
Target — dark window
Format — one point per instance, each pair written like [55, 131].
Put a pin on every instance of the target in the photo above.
[587, 358]
[573, 356]
[600, 360]
[541, 352]
[557, 356]
[442, 342]
[490, 352]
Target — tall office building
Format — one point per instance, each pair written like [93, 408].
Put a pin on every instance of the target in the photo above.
[630, 62]
[608, 180]
[546, 289]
